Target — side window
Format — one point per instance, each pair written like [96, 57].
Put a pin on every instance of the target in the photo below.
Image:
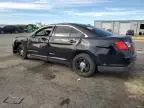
[62, 31]
[75, 33]
[41, 33]
[44, 32]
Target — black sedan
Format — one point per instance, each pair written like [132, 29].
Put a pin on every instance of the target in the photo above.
[11, 29]
[84, 47]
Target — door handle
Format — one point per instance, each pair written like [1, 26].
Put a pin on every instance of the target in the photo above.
[72, 41]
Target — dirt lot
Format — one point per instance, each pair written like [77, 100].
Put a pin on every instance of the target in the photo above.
[49, 85]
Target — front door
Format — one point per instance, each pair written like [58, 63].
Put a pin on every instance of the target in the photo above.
[38, 44]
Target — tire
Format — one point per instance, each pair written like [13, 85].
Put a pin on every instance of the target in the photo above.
[22, 51]
[83, 65]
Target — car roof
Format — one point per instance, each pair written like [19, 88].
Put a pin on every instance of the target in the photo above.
[83, 28]
[72, 24]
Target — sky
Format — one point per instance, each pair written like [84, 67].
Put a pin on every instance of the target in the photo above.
[74, 11]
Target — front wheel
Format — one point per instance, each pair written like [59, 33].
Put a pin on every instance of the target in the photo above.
[22, 51]
[83, 65]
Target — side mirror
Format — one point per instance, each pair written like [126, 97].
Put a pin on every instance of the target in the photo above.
[32, 35]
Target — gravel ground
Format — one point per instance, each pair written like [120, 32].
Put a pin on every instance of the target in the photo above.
[49, 85]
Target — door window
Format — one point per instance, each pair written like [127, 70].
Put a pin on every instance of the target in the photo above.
[75, 33]
[62, 31]
[44, 31]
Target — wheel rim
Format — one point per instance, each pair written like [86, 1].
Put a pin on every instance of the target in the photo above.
[82, 65]
[21, 51]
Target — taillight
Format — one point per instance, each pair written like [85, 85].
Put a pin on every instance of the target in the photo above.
[121, 45]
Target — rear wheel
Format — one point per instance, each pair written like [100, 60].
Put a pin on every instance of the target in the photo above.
[22, 52]
[83, 65]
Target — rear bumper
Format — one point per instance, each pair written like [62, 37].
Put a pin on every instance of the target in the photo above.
[117, 68]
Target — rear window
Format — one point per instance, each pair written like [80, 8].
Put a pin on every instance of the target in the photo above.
[97, 31]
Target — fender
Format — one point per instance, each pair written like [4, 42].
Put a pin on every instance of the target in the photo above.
[18, 41]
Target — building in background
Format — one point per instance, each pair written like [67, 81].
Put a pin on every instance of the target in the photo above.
[121, 26]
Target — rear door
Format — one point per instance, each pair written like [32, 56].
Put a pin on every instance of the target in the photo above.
[63, 42]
